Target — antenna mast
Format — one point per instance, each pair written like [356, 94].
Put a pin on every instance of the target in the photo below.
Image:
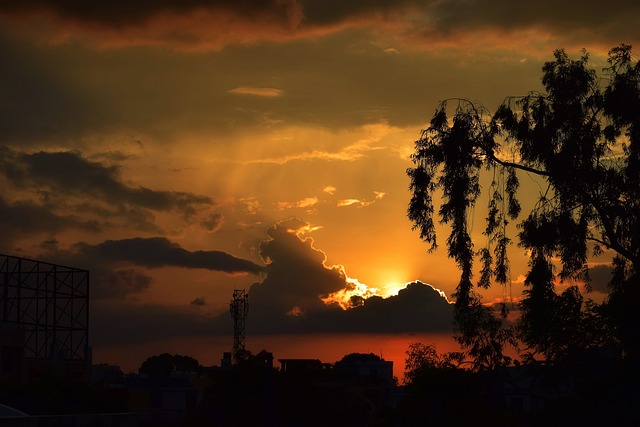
[239, 307]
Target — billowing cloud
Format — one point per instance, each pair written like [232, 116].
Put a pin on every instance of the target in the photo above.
[159, 252]
[299, 294]
[418, 307]
[296, 272]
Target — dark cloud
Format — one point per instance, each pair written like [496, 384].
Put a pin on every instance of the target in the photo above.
[213, 222]
[69, 173]
[48, 192]
[418, 307]
[319, 12]
[440, 15]
[158, 252]
[331, 12]
[614, 20]
[199, 301]
[289, 299]
[114, 278]
[25, 218]
[546, 13]
[107, 284]
[136, 12]
[296, 274]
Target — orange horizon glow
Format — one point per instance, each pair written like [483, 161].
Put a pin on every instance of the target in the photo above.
[327, 348]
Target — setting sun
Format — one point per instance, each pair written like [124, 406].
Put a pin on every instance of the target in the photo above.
[392, 288]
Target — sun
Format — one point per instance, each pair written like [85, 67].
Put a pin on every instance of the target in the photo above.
[392, 288]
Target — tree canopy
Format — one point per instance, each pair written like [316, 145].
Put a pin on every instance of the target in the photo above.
[581, 136]
[166, 364]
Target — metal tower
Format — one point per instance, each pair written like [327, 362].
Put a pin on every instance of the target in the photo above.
[239, 307]
[50, 303]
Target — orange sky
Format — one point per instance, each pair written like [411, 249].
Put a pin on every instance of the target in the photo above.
[180, 150]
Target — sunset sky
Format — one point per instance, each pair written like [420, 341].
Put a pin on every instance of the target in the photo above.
[179, 150]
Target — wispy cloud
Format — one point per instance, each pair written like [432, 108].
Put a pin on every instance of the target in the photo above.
[379, 194]
[361, 203]
[267, 92]
[330, 189]
[307, 202]
[349, 153]
[351, 202]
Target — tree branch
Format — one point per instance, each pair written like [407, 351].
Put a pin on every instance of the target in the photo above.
[517, 165]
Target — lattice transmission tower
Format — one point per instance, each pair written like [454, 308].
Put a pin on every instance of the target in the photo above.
[239, 308]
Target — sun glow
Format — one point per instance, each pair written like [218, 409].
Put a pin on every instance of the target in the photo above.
[355, 293]
[392, 288]
[352, 295]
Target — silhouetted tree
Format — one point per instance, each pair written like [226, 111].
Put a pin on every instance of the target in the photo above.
[436, 390]
[359, 357]
[424, 357]
[582, 137]
[165, 364]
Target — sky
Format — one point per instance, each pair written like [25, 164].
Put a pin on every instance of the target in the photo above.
[181, 150]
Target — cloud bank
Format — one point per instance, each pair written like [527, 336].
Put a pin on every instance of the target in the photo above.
[293, 296]
[213, 24]
[48, 192]
[158, 252]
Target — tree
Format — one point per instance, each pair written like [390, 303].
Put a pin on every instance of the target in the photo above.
[166, 364]
[424, 357]
[582, 137]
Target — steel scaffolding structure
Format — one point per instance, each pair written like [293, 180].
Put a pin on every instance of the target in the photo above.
[50, 303]
[239, 308]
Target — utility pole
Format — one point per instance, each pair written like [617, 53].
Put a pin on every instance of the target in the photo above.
[239, 307]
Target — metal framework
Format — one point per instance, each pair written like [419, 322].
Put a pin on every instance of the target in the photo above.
[239, 308]
[50, 303]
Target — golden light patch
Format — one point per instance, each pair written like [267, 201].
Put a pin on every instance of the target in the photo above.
[329, 189]
[349, 202]
[392, 288]
[268, 92]
[351, 296]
